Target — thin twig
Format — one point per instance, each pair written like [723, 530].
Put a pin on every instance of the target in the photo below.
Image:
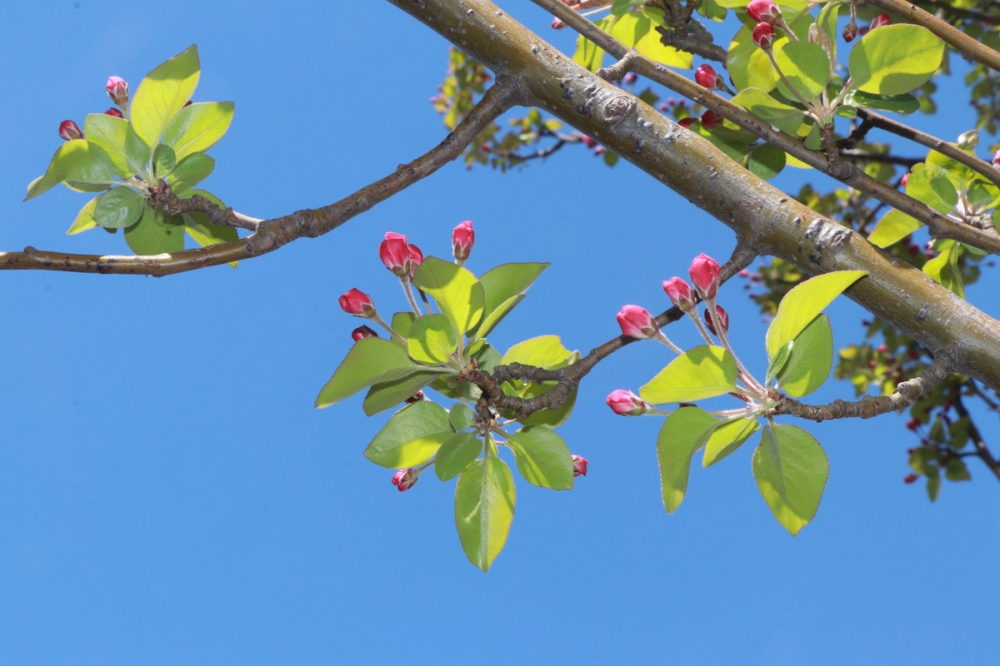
[869, 156]
[977, 439]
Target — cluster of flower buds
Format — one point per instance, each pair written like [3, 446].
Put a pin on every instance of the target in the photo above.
[626, 403]
[117, 89]
[592, 144]
[405, 479]
[399, 256]
[768, 16]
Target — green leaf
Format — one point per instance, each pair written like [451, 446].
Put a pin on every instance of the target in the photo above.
[791, 469]
[926, 185]
[765, 107]
[956, 470]
[456, 290]
[905, 103]
[456, 454]
[127, 151]
[163, 93]
[461, 417]
[79, 161]
[680, 437]
[944, 267]
[164, 160]
[503, 288]
[552, 418]
[827, 21]
[726, 438]
[152, 234]
[806, 66]
[588, 55]
[748, 65]
[473, 347]
[385, 395]
[484, 509]
[370, 361]
[401, 323]
[85, 218]
[803, 302]
[810, 360]
[432, 339]
[190, 171]
[702, 372]
[649, 43]
[543, 458]
[892, 228]
[895, 59]
[119, 208]
[204, 233]
[545, 351]
[766, 161]
[933, 484]
[198, 127]
[411, 437]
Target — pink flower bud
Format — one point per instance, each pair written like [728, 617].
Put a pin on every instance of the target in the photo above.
[764, 11]
[679, 292]
[557, 23]
[706, 77]
[598, 151]
[113, 112]
[711, 120]
[723, 320]
[404, 479]
[357, 303]
[416, 258]
[763, 36]
[395, 254]
[69, 130]
[462, 239]
[590, 143]
[996, 156]
[906, 176]
[880, 20]
[626, 403]
[850, 32]
[704, 273]
[579, 466]
[362, 332]
[117, 90]
[631, 78]
[636, 322]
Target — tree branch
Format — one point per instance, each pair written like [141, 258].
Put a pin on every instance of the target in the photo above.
[272, 234]
[977, 439]
[696, 39]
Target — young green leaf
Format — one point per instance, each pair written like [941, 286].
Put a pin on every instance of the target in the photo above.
[456, 290]
[766, 161]
[456, 454]
[385, 395]
[432, 339]
[545, 351]
[506, 281]
[164, 160]
[791, 469]
[779, 114]
[806, 66]
[895, 59]
[370, 361]
[931, 188]
[163, 93]
[85, 218]
[78, 161]
[484, 509]
[119, 208]
[152, 234]
[649, 44]
[401, 323]
[553, 418]
[944, 267]
[892, 228]
[702, 372]
[411, 437]
[803, 302]
[727, 438]
[127, 151]
[778, 362]
[204, 233]
[542, 457]
[461, 417]
[198, 127]
[680, 437]
[810, 360]
[193, 169]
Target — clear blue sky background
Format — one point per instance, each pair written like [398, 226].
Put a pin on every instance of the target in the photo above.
[169, 495]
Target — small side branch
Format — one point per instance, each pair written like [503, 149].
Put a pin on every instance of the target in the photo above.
[695, 39]
[906, 394]
[977, 438]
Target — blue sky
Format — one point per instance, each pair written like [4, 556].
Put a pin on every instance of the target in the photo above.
[169, 495]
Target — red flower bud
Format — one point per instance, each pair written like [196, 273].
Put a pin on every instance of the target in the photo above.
[69, 130]
[723, 320]
[590, 143]
[706, 77]
[913, 424]
[679, 292]
[996, 158]
[631, 78]
[117, 90]
[906, 179]
[416, 397]
[404, 479]
[626, 403]
[395, 254]
[636, 322]
[850, 32]
[557, 23]
[416, 258]
[357, 303]
[687, 122]
[704, 273]
[863, 31]
[763, 36]
[598, 151]
[910, 478]
[579, 466]
[880, 20]
[764, 11]
[114, 113]
[710, 120]
[362, 332]
[462, 239]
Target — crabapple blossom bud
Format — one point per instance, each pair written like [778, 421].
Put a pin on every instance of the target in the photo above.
[706, 77]
[113, 112]
[636, 322]
[362, 332]
[910, 478]
[357, 303]
[687, 122]
[763, 36]
[462, 239]
[69, 130]
[711, 120]
[996, 159]
[117, 90]
[416, 257]
[626, 403]
[723, 317]
[913, 424]
[397, 255]
[879, 21]
[679, 292]
[587, 141]
[557, 23]
[764, 11]
[905, 180]
[631, 78]
[416, 397]
[704, 273]
[850, 32]
[598, 151]
[404, 479]
[579, 466]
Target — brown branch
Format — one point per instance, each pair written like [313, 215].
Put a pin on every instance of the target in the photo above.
[965, 14]
[906, 394]
[168, 202]
[695, 39]
[272, 234]
[977, 439]
[963, 43]
[868, 156]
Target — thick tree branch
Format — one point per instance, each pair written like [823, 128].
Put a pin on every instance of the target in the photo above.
[272, 234]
